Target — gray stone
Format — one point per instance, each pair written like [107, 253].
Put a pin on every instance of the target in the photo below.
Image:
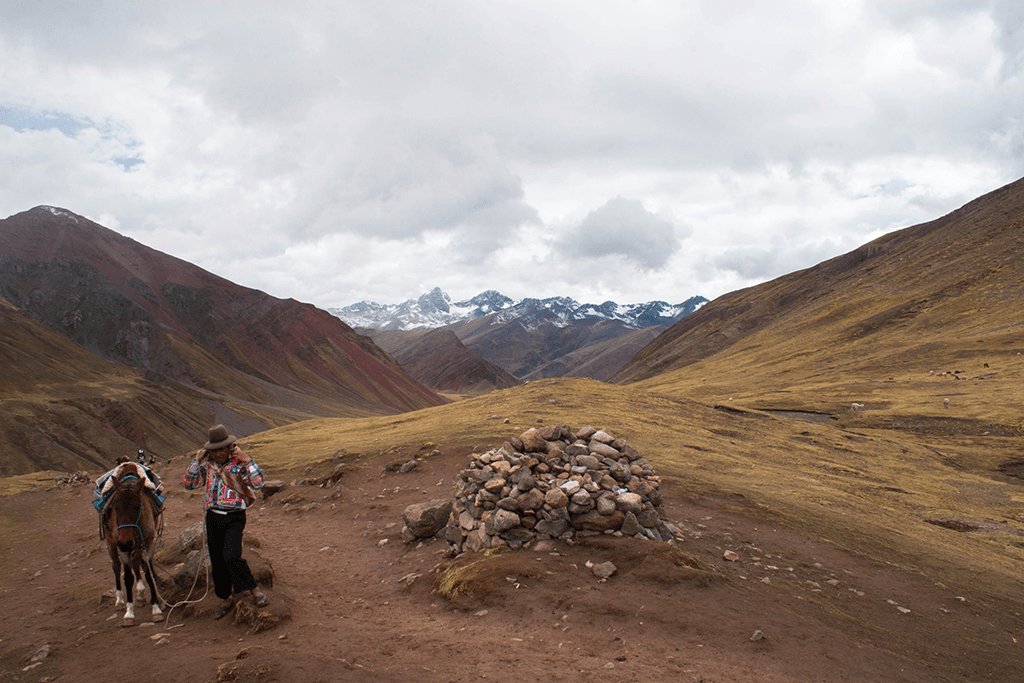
[510, 504]
[585, 432]
[453, 533]
[272, 486]
[466, 520]
[606, 505]
[533, 442]
[192, 570]
[630, 525]
[570, 486]
[426, 519]
[603, 570]
[523, 479]
[595, 521]
[191, 538]
[603, 450]
[581, 498]
[629, 502]
[518, 535]
[556, 498]
[495, 485]
[477, 540]
[648, 518]
[553, 528]
[577, 449]
[477, 476]
[602, 436]
[619, 473]
[531, 500]
[501, 520]
[588, 461]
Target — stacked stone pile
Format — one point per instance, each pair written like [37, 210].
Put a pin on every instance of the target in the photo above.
[554, 483]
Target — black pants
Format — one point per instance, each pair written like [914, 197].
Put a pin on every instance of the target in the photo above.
[224, 542]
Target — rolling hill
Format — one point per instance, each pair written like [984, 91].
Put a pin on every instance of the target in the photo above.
[437, 359]
[940, 297]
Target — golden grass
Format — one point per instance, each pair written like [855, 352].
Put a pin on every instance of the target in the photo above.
[855, 482]
[34, 481]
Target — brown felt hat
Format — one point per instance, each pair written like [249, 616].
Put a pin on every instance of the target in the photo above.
[219, 438]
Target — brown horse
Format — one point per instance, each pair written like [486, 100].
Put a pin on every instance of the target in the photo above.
[130, 531]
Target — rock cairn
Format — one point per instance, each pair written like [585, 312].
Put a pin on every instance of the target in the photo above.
[553, 483]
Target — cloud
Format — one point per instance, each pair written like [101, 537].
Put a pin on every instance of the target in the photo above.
[624, 228]
[363, 149]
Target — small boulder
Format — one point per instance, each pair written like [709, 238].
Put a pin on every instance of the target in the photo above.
[191, 538]
[426, 519]
[272, 486]
[533, 442]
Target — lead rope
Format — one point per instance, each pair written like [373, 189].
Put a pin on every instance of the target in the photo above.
[195, 579]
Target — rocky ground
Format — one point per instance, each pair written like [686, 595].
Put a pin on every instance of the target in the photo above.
[737, 600]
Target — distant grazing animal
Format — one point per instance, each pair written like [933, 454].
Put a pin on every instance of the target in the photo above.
[856, 406]
[945, 403]
[130, 531]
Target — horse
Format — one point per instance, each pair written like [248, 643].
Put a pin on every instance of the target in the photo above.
[130, 530]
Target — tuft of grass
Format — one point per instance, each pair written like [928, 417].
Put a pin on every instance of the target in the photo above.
[471, 580]
[27, 482]
[84, 594]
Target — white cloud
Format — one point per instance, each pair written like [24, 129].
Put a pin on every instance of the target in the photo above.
[337, 152]
[624, 228]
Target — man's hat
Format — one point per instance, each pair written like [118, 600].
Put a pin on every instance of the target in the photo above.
[219, 438]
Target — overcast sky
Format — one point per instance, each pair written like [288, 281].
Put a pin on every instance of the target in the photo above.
[336, 152]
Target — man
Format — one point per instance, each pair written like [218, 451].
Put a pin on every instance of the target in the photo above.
[229, 476]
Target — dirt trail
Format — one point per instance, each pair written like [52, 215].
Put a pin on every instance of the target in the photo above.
[356, 604]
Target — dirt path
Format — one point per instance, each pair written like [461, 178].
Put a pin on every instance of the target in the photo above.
[356, 604]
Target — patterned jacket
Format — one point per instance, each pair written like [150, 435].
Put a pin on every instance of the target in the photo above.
[219, 493]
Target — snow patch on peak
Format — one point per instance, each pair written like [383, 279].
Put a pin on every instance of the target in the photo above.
[59, 212]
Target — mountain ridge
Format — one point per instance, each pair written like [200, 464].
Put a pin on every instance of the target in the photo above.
[436, 309]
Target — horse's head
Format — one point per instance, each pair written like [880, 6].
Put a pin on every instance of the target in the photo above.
[126, 506]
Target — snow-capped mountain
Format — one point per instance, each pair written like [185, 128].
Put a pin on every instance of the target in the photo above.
[436, 309]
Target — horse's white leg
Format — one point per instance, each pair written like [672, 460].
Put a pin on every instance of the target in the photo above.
[147, 567]
[129, 615]
[129, 580]
[119, 599]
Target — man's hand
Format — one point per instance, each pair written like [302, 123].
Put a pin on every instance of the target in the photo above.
[241, 457]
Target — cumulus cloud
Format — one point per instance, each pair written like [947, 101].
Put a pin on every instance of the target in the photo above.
[624, 228]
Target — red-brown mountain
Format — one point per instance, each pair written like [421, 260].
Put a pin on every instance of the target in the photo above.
[441, 362]
[258, 361]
